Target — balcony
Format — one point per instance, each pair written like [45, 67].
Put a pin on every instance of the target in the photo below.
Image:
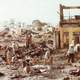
[75, 20]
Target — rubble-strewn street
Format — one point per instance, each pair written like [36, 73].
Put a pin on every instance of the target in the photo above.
[59, 70]
[33, 54]
[39, 50]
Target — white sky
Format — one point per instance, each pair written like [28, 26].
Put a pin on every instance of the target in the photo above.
[28, 10]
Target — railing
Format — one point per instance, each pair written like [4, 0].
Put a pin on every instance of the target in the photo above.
[71, 21]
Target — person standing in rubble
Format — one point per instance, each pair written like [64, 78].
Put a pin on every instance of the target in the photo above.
[77, 50]
[71, 54]
[28, 40]
[47, 55]
[8, 55]
[14, 47]
[26, 66]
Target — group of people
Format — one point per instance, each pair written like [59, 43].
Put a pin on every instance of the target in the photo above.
[28, 55]
[72, 52]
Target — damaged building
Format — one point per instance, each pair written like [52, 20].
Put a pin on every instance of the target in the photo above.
[69, 28]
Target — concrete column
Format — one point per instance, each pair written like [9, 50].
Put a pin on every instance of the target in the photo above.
[54, 40]
[70, 37]
[61, 38]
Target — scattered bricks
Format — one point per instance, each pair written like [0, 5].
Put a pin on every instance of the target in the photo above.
[35, 71]
[75, 72]
[2, 74]
[66, 78]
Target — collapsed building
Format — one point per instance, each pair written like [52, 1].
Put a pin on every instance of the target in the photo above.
[42, 32]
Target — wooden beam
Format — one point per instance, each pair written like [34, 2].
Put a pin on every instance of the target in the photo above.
[71, 7]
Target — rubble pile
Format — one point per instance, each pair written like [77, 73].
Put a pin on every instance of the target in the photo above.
[21, 59]
[33, 56]
[24, 66]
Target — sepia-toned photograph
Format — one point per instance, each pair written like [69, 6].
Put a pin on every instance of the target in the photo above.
[39, 39]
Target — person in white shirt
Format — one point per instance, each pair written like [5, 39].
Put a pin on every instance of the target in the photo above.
[71, 54]
[77, 47]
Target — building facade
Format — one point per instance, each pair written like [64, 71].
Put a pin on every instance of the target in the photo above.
[69, 28]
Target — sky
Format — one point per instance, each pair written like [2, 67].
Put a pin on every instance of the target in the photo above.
[29, 10]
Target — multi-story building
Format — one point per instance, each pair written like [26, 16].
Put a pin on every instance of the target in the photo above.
[69, 28]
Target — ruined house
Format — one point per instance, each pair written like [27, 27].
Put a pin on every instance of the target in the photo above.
[69, 28]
